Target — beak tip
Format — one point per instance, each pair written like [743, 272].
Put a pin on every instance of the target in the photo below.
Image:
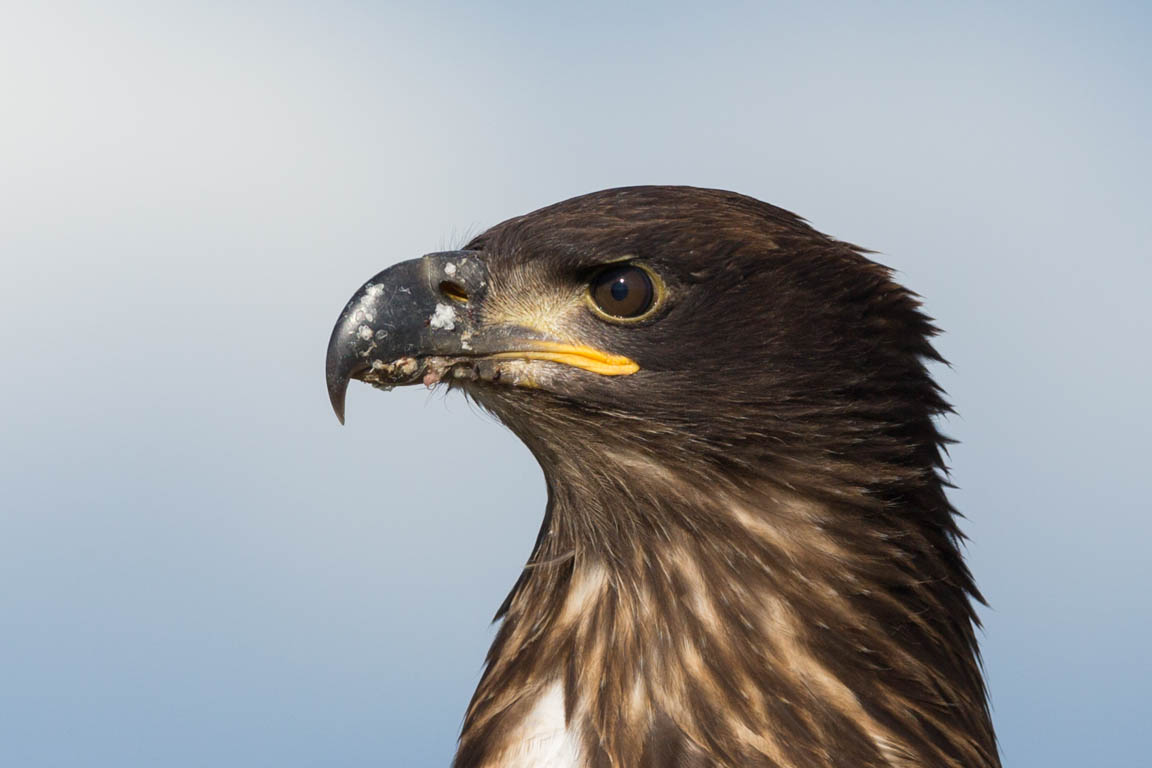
[337, 390]
[339, 366]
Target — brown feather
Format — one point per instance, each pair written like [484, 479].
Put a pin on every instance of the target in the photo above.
[748, 557]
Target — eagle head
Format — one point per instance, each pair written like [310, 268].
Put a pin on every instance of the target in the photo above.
[748, 557]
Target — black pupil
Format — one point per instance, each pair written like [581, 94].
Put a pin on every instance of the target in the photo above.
[624, 291]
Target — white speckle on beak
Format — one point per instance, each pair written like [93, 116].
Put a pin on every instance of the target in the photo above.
[364, 332]
[443, 319]
[449, 269]
[362, 310]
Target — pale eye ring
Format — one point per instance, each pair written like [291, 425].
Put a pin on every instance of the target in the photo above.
[623, 291]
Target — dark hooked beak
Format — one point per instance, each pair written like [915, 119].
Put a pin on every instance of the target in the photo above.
[418, 319]
[408, 312]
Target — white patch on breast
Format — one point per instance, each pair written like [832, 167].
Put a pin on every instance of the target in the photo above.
[542, 740]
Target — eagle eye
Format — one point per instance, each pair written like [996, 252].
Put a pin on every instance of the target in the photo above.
[623, 292]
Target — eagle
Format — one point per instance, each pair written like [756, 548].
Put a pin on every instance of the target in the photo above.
[747, 557]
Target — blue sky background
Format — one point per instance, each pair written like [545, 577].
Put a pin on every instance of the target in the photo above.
[199, 566]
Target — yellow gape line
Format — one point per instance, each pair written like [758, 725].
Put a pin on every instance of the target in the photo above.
[587, 358]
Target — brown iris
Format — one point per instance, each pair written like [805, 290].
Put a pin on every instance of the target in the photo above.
[625, 291]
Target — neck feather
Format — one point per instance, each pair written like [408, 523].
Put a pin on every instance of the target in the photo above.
[737, 622]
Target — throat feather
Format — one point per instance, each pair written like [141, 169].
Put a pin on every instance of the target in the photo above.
[731, 626]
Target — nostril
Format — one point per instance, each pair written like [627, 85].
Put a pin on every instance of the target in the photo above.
[454, 291]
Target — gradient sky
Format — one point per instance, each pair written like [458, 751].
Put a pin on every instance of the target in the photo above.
[199, 566]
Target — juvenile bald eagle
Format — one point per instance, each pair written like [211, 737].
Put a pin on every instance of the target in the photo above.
[747, 556]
